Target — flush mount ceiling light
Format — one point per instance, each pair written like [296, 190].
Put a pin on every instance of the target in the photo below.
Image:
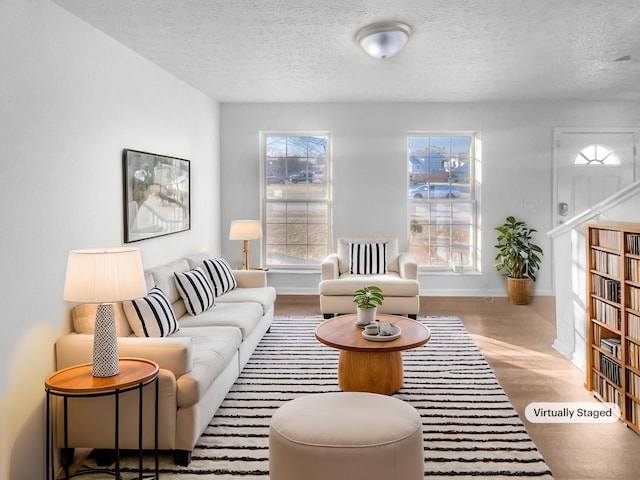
[383, 39]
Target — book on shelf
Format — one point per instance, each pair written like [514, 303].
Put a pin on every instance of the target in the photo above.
[606, 238]
[633, 270]
[606, 313]
[633, 325]
[634, 411]
[610, 369]
[633, 355]
[612, 346]
[633, 300]
[633, 384]
[632, 242]
[606, 287]
[608, 263]
[608, 392]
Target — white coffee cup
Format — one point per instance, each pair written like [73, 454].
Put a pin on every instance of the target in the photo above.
[371, 329]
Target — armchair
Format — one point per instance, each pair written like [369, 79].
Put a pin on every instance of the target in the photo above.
[399, 283]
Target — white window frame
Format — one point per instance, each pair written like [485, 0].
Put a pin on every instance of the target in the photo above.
[582, 160]
[474, 201]
[265, 200]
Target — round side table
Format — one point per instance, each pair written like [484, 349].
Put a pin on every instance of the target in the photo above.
[78, 381]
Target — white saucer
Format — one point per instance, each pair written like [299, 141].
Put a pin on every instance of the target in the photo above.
[383, 338]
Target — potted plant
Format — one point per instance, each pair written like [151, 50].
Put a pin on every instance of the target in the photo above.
[518, 258]
[367, 300]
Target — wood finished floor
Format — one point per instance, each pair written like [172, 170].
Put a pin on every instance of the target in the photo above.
[516, 340]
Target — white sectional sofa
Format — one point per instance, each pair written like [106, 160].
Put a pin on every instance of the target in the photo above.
[198, 363]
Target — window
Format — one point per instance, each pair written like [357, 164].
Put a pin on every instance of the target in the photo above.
[296, 199]
[596, 155]
[441, 170]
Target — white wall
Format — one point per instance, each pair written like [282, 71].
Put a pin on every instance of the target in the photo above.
[71, 99]
[369, 161]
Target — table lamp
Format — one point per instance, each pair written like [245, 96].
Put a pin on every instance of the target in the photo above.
[245, 230]
[104, 276]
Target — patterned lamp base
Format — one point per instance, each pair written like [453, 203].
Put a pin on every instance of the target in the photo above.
[105, 343]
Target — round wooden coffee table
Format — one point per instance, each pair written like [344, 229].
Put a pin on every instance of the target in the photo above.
[369, 366]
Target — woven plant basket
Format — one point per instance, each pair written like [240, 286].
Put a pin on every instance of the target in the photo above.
[519, 290]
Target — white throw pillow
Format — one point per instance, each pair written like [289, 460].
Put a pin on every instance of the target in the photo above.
[368, 258]
[151, 316]
[195, 290]
[221, 275]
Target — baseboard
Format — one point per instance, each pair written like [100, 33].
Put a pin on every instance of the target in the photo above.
[562, 349]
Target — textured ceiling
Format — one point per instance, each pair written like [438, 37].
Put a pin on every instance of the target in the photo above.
[461, 50]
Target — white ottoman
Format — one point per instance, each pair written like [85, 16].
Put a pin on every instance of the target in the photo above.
[346, 436]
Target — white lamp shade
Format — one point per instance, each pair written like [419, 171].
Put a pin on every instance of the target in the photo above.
[245, 230]
[104, 276]
[383, 39]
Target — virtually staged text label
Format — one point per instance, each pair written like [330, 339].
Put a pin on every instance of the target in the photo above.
[572, 412]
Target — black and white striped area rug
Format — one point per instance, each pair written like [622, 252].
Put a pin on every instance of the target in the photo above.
[471, 431]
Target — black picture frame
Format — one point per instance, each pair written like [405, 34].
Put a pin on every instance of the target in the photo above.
[156, 195]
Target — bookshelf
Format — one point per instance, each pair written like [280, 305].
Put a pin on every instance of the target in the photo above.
[613, 316]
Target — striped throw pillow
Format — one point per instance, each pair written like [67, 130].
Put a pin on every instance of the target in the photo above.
[221, 275]
[151, 316]
[368, 258]
[195, 290]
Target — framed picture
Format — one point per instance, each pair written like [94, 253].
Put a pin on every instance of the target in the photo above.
[156, 195]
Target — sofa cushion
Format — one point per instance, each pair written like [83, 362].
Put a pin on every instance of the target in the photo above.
[392, 285]
[213, 349]
[220, 274]
[197, 259]
[244, 316]
[84, 319]
[195, 289]
[368, 258]
[265, 296]
[163, 277]
[151, 316]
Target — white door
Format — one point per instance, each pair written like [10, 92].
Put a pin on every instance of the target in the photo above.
[590, 166]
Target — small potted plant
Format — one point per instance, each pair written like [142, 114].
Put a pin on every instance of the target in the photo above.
[518, 258]
[367, 300]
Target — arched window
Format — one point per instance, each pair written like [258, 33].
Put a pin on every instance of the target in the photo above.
[596, 155]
